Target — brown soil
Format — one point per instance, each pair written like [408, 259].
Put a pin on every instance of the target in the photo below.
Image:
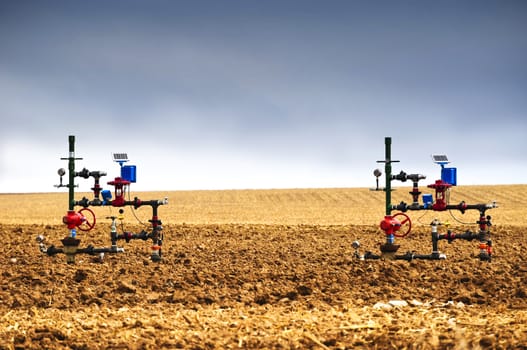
[261, 286]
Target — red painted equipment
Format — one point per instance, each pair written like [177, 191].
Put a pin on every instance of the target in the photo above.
[391, 225]
[75, 219]
[119, 184]
[82, 221]
[441, 201]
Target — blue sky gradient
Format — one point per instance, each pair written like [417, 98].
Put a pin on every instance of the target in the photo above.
[262, 94]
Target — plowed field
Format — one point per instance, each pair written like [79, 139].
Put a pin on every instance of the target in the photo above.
[264, 269]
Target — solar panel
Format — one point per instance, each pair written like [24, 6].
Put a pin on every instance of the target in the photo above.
[440, 158]
[120, 157]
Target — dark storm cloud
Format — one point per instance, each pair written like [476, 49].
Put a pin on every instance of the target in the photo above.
[321, 83]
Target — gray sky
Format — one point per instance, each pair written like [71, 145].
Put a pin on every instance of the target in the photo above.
[262, 94]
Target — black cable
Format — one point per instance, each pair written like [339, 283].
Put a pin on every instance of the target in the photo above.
[134, 209]
[459, 221]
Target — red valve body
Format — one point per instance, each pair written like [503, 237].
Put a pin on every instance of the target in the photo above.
[440, 187]
[390, 225]
[73, 219]
[119, 183]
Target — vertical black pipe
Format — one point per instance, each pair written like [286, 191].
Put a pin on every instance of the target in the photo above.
[388, 174]
[435, 238]
[71, 168]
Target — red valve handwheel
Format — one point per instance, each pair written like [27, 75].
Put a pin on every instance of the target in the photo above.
[405, 221]
[87, 224]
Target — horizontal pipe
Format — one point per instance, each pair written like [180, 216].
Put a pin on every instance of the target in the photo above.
[461, 207]
[52, 250]
[468, 235]
[92, 250]
[136, 203]
[411, 256]
[129, 236]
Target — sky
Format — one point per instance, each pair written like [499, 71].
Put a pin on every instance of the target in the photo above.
[262, 94]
